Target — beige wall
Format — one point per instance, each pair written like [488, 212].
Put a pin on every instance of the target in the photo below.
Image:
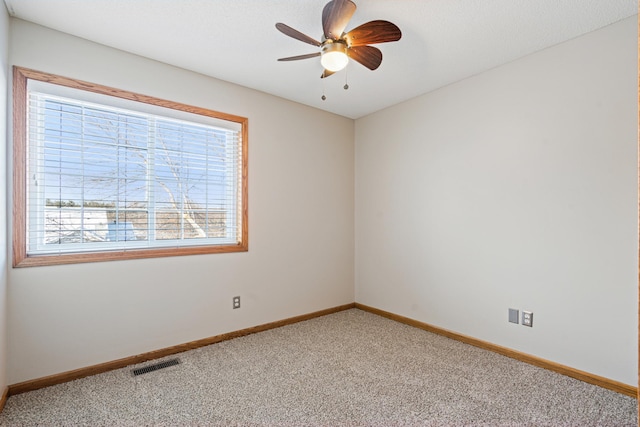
[4, 247]
[514, 188]
[301, 235]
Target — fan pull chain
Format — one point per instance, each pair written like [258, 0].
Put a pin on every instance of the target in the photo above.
[323, 97]
[346, 75]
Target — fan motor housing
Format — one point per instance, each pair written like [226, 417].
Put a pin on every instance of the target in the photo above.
[334, 46]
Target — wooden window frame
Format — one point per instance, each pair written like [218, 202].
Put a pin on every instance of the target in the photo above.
[21, 258]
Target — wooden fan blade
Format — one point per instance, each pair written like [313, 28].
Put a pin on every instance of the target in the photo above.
[298, 57]
[335, 17]
[326, 73]
[373, 32]
[285, 29]
[368, 56]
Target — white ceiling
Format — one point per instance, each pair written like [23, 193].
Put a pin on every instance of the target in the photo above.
[443, 41]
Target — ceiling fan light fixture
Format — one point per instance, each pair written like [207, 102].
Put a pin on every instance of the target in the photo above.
[337, 48]
[334, 56]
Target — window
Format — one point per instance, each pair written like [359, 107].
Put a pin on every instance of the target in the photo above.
[103, 174]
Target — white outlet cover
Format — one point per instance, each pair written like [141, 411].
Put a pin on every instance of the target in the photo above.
[527, 318]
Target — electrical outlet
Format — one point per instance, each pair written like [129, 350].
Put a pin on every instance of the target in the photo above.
[527, 318]
[236, 302]
[514, 315]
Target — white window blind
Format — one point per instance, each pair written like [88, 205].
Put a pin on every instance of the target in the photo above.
[107, 178]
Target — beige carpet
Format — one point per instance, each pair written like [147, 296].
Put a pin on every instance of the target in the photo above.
[347, 369]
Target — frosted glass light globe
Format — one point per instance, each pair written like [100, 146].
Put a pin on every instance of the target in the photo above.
[334, 56]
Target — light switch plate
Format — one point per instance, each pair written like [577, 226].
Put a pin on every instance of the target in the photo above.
[514, 315]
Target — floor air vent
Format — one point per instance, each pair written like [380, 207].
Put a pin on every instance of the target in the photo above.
[155, 367]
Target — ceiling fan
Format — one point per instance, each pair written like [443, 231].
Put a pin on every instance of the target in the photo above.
[337, 46]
